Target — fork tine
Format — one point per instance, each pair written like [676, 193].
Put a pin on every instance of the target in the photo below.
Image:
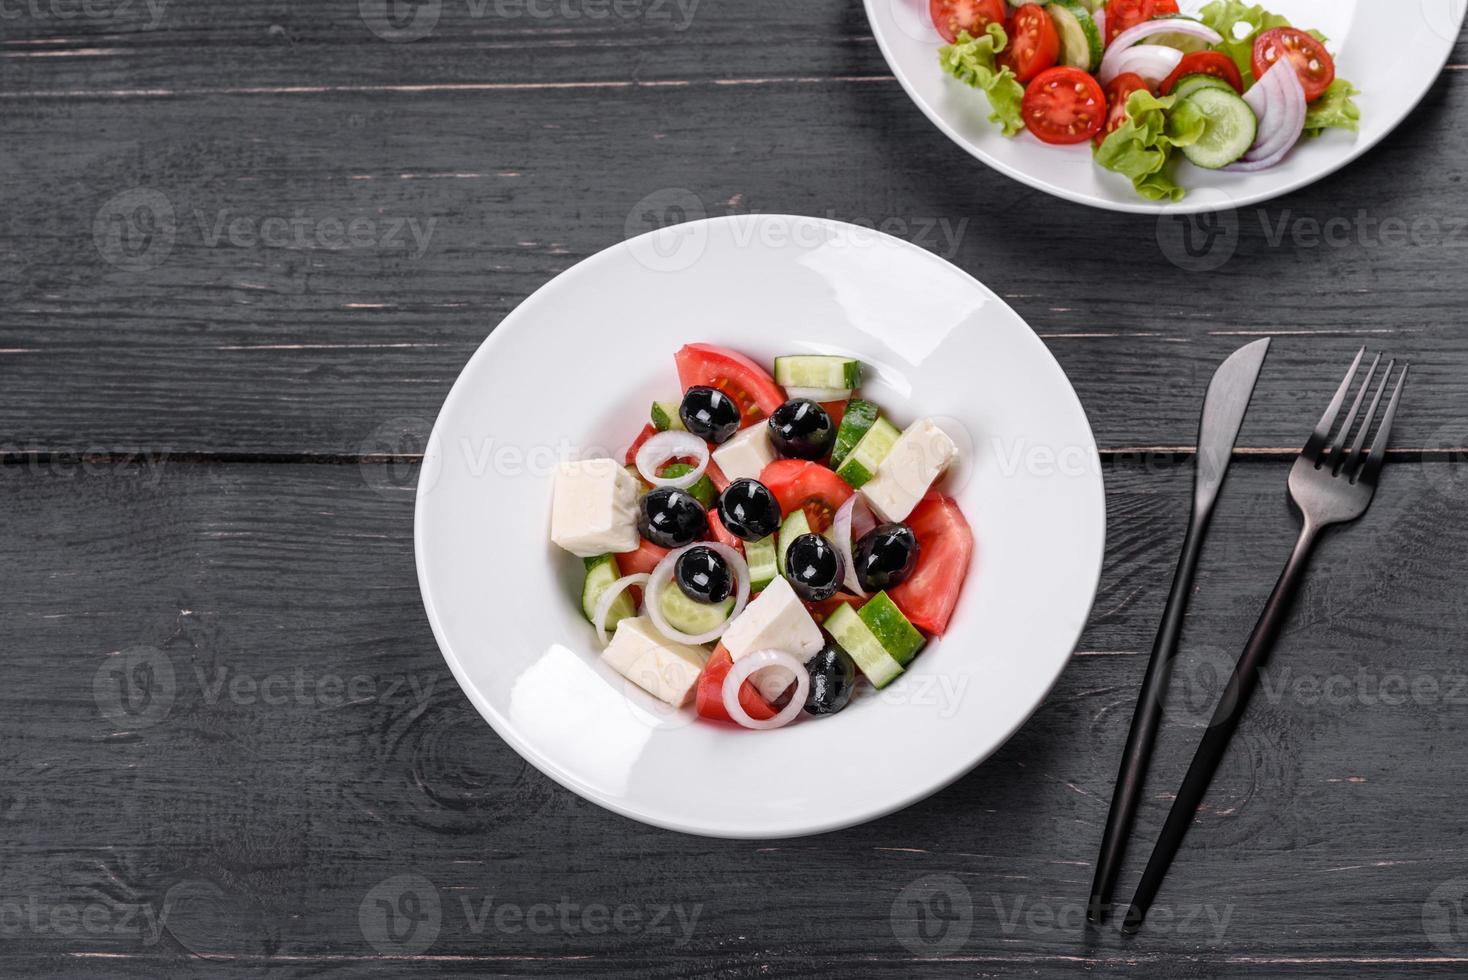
[1376, 455]
[1353, 459]
[1327, 421]
[1337, 453]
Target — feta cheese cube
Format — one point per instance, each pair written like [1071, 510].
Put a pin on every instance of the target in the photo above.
[775, 620]
[745, 455]
[918, 457]
[664, 668]
[594, 509]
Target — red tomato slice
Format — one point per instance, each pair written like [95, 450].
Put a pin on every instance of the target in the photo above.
[647, 433]
[1117, 92]
[953, 16]
[721, 534]
[1123, 14]
[1064, 105]
[709, 696]
[1313, 63]
[837, 411]
[799, 483]
[1034, 43]
[821, 611]
[644, 559]
[1214, 63]
[945, 549]
[732, 373]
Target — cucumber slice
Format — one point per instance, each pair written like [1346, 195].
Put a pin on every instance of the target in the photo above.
[690, 615]
[795, 525]
[763, 561]
[601, 572]
[898, 637]
[703, 491]
[1230, 131]
[817, 371]
[665, 416]
[856, 638]
[860, 416]
[1080, 39]
[862, 462]
[1189, 84]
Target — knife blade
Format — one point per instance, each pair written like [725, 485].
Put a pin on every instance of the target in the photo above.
[1223, 413]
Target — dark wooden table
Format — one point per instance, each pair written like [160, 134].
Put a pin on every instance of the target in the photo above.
[248, 247]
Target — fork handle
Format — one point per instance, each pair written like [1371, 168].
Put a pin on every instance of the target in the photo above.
[1226, 717]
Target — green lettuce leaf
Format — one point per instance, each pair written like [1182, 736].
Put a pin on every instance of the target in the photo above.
[1225, 16]
[1141, 148]
[1334, 110]
[973, 61]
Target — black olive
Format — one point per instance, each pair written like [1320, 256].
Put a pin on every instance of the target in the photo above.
[709, 414]
[671, 518]
[885, 557]
[703, 575]
[832, 679]
[749, 510]
[813, 566]
[802, 429]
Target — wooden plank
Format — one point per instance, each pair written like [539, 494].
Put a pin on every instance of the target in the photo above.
[314, 746]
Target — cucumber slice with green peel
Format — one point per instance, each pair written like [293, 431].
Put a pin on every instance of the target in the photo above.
[690, 615]
[601, 572]
[665, 416]
[1080, 38]
[1189, 84]
[860, 416]
[1229, 131]
[703, 491]
[762, 558]
[795, 525]
[856, 638]
[861, 463]
[817, 371]
[898, 637]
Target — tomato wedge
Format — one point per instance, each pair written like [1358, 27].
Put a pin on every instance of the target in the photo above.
[1034, 43]
[822, 610]
[644, 559]
[648, 431]
[735, 375]
[1117, 92]
[1313, 63]
[721, 534]
[799, 483]
[953, 16]
[1124, 14]
[1064, 105]
[1214, 63]
[709, 696]
[945, 549]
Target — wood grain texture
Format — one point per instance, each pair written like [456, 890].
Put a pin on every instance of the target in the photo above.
[311, 746]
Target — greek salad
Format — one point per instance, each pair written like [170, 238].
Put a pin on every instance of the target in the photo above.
[766, 540]
[1235, 88]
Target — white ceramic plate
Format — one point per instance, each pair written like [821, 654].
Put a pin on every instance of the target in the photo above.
[1393, 76]
[576, 366]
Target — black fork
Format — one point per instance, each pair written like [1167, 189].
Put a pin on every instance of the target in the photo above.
[1333, 481]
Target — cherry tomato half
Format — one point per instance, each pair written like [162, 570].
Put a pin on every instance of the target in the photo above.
[1124, 14]
[1118, 91]
[1214, 63]
[954, 16]
[1064, 105]
[1034, 44]
[1313, 63]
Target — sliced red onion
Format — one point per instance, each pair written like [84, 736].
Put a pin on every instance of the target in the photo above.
[670, 445]
[818, 394]
[746, 667]
[1268, 99]
[609, 596]
[1152, 61]
[853, 520]
[1159, 25]
[1284, 131]
[663, 574]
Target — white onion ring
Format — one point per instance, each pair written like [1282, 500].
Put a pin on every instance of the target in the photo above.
[1153, 62]
[609, 596]
[847, 528]
[1123, 42]
[670, 445]
[1292, 124]
[818, 394]
[663, 574]
[745, 667]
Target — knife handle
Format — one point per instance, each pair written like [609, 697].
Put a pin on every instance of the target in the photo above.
[1145, 721]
